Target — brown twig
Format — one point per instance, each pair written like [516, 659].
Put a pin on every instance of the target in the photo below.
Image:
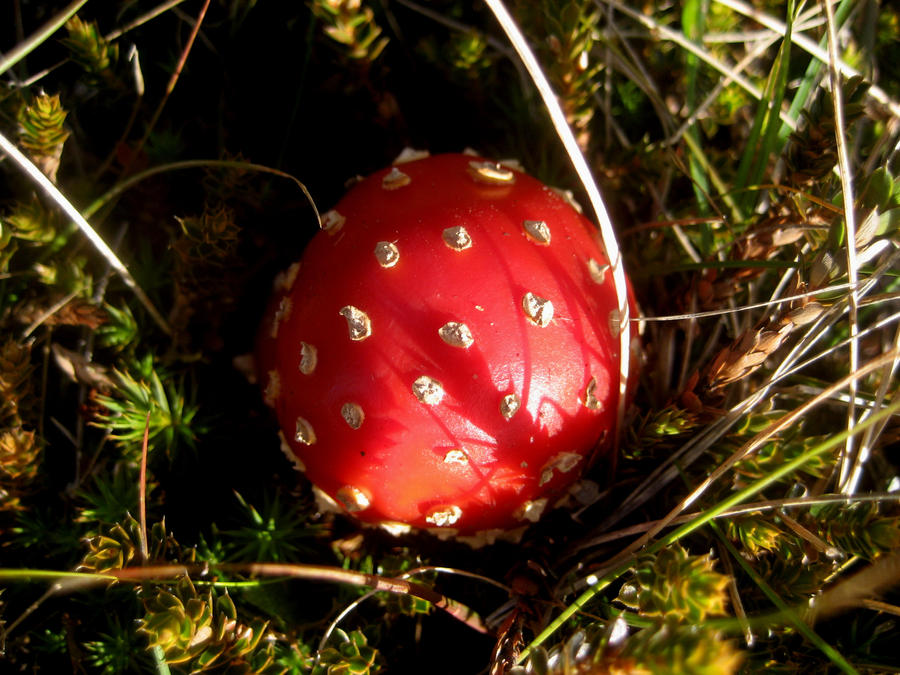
[142, 491]
[70, 581]
[170, 87]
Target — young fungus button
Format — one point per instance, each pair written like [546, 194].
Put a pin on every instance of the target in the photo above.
[428, 390]
[357, 322]
[538, 231]
[539, 310]
[457, 238]
[456, 334]
[386, 253]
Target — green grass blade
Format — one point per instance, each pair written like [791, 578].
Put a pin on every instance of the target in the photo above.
[697, 155]
[693, 21]
[758, 486]
[786, 612]
[767, 121]
[802, 97]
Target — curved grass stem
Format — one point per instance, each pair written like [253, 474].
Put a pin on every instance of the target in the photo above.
[110, 195]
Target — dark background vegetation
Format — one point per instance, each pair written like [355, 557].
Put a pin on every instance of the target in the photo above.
[263, 83]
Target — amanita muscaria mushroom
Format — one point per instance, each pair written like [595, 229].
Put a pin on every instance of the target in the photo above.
[446, 353]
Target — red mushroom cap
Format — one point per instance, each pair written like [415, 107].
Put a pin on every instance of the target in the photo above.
[445, 355]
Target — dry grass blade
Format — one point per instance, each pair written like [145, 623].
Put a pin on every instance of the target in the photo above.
[752, 507]
[850, 224]
[46, 315]
[28, 167]
[21, 50]
[667, 33]
[866, 584]
[173, 81]
[619, 565]
[868, 438]
[790, 364]
[745, 450]
[758, 50]
[607, 231]
[746, 308]
[734, 593]
[12, 625]
[754, 346]
[149, 15]
[749, 352]
[812, 48]
[112, 36]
